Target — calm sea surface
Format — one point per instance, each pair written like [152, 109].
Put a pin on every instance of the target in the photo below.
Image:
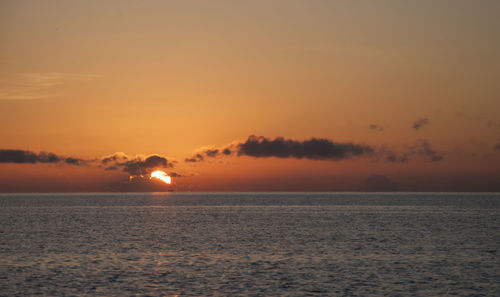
[250, 244]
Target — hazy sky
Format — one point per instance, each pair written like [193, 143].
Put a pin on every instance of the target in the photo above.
[400, 95]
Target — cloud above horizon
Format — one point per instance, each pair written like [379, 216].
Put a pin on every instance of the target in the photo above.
[29, 157]
[279, 147]
[38, 85]
[376, 127]
[316, 149]
[421, 148]
[313, 149]
[420, 123]
[135, 166]
[138, 165]
[210, 153]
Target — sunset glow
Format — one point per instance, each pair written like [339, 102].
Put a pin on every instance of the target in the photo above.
[161, 176]
[298, 132]
[294, 96]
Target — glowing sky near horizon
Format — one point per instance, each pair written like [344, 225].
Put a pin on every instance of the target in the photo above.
[87, 79]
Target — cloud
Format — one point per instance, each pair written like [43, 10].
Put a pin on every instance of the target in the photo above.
[317, 149]
[30, 86]
[74, 161]
[314, 148]
[135, 166]
[388, 155]
[29, 157]
[262, 147]
[376, 127]
[116, 157]
[196, 158]
[175, 174]
[212, 152]
[204, 153]
[139, 165]
[497, 147]
[253, 146]
[419, 123]
[423, 149]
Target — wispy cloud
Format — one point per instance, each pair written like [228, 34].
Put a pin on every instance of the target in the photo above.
[375, 127]
[40, 85]
[420, 122]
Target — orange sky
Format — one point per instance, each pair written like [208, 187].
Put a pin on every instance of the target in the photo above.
[87, 79]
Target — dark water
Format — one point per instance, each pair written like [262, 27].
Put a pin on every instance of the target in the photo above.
[253, 244]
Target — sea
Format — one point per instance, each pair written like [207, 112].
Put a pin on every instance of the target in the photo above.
[250, 244]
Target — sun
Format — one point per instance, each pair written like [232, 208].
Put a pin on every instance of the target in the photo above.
[161, 176]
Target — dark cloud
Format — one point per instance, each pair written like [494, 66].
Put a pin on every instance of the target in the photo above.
[22, 156]
[423, 149]
[376, 127]
[155, 161]
[195, 158]
[260, 146]
[314, 148]
[74, 161]
[136, 166]
[18, 156]
[116, 157]
[210, 153]
[497, 147]
[317, 149]
[388, 155]
[419, 123]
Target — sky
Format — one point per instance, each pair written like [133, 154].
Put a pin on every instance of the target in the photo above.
[250, 95]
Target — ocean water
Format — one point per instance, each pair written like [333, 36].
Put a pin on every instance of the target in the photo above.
[250, 244]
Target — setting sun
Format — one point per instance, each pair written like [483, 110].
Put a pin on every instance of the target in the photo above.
[161, 176]
[318, 148]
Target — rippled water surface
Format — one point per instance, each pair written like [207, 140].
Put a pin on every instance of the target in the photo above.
[252, 244]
